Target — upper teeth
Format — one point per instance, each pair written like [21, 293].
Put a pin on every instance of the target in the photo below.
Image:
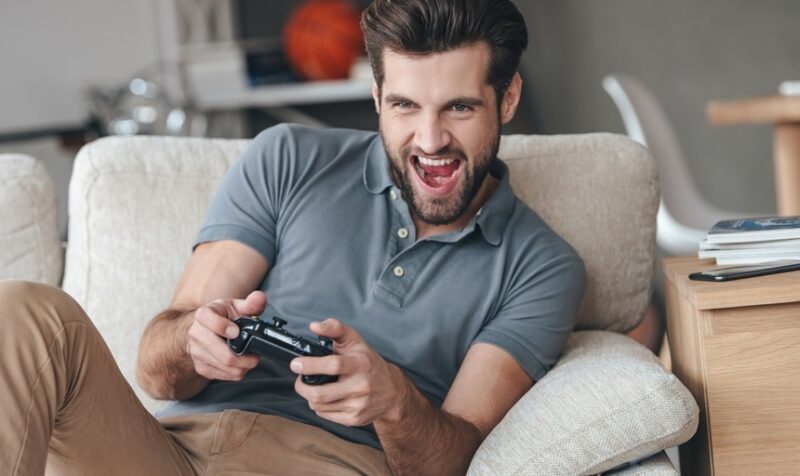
[435, 162]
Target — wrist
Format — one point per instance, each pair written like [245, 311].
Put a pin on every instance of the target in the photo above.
[182, 325]
[404, 395]
[164, 368]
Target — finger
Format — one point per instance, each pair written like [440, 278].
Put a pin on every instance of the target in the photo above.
[253, 305]
[328, 393]
[206, 365]
[210, 371]
[335, 364]
[336, 330]
[222, 355]
[212, 319]
[228, 372]
[202, 357]
[208, 344]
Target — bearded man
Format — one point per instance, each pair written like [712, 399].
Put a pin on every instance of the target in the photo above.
[445, 296]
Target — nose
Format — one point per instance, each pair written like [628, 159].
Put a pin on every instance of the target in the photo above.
[431, 133]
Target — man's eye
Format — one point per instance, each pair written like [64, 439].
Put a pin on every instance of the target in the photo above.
[403, 104]
[461, 108]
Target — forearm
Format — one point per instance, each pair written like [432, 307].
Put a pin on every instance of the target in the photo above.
[421, 439]
[164, 368]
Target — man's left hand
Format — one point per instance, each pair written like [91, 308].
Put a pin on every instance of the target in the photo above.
[368, 388]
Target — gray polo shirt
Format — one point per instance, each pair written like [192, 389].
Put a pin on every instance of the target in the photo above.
[321, 206]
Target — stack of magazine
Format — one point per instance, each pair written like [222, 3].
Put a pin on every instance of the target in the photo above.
[753, 241]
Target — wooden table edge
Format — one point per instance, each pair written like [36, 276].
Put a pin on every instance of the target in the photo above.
[763, 290]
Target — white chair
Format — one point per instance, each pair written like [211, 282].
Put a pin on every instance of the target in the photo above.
[684, 215]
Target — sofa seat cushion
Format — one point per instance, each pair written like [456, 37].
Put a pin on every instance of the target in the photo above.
[607, 401]
[30, 247]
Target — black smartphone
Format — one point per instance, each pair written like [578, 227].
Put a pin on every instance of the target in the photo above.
[739, 272]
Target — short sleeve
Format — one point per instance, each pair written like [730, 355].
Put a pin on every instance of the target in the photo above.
[539, 311]
[246, 205]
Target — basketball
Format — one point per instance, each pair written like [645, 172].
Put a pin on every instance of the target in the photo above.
[323, 38]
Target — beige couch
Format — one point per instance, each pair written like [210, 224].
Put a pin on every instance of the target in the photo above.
[136, 204]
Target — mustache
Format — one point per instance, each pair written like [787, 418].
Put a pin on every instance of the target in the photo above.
[447, 151]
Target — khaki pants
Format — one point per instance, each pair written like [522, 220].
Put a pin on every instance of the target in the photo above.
[64, 402]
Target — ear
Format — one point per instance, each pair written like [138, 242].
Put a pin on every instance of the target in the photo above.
[510, 100]
[376, 96]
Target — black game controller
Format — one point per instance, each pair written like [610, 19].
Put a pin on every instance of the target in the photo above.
[273, 341]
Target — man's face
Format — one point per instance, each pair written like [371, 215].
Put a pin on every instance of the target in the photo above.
[441, 129]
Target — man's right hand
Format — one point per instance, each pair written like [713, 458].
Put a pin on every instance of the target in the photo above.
[213, 323]
[181, 350]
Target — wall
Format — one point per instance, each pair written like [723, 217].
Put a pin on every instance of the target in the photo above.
[50, 52]
[53, 50]
[688, 52]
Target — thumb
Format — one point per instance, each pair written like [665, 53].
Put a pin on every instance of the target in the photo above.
[252, 305]
[336, 330]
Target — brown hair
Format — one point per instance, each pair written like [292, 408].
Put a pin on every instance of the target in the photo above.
[420, 27]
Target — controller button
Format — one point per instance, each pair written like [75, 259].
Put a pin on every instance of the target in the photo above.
[278, 322]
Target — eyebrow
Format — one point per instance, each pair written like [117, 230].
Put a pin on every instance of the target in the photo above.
[466, 100]
[396, 98]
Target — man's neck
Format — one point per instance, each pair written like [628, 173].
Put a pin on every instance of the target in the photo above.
[425, 230]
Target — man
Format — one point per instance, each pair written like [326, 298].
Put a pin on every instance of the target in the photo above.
[444, 295]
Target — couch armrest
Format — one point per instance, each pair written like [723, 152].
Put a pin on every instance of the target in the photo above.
[606, 402]
[30, 247]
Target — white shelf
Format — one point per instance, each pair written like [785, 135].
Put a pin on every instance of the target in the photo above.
[290, 94]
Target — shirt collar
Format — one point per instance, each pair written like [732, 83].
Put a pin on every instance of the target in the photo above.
[491, 219]
[377, 177]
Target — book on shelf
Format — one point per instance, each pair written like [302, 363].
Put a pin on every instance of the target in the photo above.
[752, 241]
[754, 245]
[742, 230]
[214, 67]
[750, 256]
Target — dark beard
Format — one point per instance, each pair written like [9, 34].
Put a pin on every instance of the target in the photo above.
[442, 211]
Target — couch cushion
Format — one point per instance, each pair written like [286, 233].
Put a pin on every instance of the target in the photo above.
[30, 248]
[606, 402]
[600, 193]
[136, 205]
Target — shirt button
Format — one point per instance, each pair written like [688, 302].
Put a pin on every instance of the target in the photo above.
[393, 194]
[399, 271]
[402, 233]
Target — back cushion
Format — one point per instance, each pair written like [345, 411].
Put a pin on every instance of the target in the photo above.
[137, 203]
[30, 247]
[600, 193]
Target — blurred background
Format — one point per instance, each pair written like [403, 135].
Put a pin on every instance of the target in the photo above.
[73, 71]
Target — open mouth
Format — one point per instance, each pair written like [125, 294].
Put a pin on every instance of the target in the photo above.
[438, 176]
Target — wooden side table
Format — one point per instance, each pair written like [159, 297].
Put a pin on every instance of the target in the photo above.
[736, 347]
